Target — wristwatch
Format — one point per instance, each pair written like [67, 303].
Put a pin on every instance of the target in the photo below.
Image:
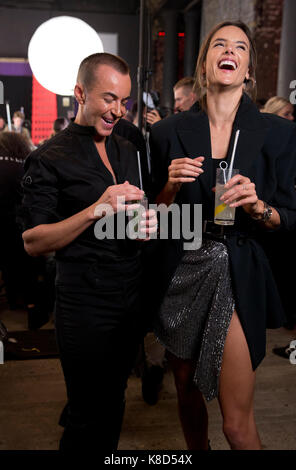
[266, 215]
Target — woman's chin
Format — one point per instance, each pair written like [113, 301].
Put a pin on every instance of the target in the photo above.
[225, 86]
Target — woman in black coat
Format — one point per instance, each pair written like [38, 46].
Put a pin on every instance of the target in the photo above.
[220, 298]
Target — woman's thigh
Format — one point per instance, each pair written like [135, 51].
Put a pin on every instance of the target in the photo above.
[237, 378]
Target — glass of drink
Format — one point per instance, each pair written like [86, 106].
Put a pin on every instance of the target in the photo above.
[223, 214]
[134, 218]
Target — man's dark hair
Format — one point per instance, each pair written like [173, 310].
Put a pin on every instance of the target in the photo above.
[60, 123]
[88, 66]
[19, 114]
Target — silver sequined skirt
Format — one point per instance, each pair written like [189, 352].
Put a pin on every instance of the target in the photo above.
[195, 314]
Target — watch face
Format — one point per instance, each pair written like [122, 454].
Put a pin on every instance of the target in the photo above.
[267, 212]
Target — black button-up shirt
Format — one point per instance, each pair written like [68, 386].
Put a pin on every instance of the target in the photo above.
[65, 176]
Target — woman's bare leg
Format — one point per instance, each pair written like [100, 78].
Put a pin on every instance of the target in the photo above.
[192, 409]
[236, 391]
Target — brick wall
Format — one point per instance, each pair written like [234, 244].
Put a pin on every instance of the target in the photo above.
[215, 11]
[268, 37]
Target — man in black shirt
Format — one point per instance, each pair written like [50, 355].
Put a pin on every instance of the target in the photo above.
[98, 312]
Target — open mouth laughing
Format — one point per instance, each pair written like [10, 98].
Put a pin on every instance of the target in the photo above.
[227, 64]
[109, 122]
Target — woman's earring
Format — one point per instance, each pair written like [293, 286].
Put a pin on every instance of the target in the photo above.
[252, 80]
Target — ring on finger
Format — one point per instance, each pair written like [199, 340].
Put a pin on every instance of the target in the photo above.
[245, 187]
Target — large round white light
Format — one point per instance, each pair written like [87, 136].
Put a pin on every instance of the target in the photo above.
[56, 49]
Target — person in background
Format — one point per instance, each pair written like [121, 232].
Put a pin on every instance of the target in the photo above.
[279, 106]
[22, 275]
[2, 124]
[184, 95]
[18, 119]
[13, 151]
[59, 125]
[150, 115]
[285, 243]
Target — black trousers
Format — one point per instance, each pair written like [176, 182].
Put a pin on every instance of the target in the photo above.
[99, 328]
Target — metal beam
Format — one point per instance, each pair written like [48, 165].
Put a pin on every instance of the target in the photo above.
[140, 76]
[191, 5]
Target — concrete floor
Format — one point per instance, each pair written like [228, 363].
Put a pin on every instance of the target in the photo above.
[32, 395]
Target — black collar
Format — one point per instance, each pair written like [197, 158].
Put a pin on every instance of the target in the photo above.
[82, 130]
[90, 131]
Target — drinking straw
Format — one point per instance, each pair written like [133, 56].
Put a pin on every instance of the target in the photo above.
[223, 168]
[140, 172]
[8, 116]
[233, 154]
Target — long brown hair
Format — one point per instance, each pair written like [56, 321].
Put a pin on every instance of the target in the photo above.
[200, 87]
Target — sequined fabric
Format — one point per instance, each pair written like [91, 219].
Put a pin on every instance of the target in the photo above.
[196, 313]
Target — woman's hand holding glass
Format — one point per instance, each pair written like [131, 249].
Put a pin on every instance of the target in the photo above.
[242, 192]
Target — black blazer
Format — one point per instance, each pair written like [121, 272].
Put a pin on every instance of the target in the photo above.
[266, 153]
